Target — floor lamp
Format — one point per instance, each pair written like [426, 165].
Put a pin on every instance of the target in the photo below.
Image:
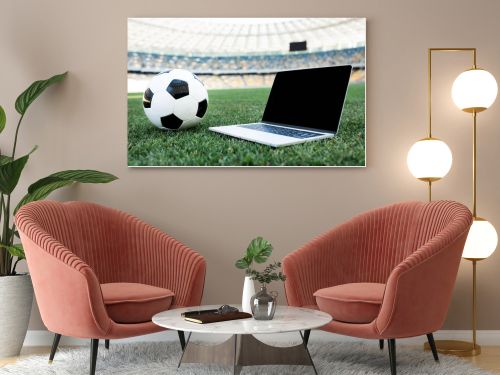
[473, 91]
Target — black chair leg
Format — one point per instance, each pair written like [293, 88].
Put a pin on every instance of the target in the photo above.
[392, 355]
[94, 345]
[307, 333]
[55, 344]
[106, 344]
[182, 339]
[381, 344]
[432, 344]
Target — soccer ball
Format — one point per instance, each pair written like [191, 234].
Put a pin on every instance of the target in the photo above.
[175, 99]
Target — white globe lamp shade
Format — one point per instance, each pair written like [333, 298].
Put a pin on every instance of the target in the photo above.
[429, 159]
[481, 241]
[474, 90]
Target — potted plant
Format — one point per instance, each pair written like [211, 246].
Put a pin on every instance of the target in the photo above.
[16, 291]
[258, 251]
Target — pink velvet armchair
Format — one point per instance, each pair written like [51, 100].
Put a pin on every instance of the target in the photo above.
[385, 274]
[99, 273]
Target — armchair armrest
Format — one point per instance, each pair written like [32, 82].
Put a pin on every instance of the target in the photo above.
[419, 289]
[68, 292]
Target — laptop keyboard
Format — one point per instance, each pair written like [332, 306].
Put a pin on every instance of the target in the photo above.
[289, 132]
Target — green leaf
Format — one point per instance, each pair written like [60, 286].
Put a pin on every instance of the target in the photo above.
[86, 176]
[4, 159]
[3, 119]
[259, 250]
[10, 172]
[43, 187]
[29, 95]
[42, 193]
[15, 250]
[242, 263]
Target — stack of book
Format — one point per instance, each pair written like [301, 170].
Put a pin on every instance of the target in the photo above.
[213, 316]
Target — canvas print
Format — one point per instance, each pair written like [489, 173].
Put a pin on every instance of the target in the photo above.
[246, 92]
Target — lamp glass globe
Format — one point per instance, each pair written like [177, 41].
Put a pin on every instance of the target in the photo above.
[481, 241]
[429, 159]
[474, 90]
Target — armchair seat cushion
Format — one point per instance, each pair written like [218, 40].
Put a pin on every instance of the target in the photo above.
[135, 303]
[351, 303]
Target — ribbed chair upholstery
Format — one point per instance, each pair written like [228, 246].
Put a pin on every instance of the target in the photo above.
[385, 274]
[78, 251]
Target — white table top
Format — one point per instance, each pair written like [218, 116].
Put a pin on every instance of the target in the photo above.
[286, 319]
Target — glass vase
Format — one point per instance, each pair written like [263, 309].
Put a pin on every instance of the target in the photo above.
[263, 304]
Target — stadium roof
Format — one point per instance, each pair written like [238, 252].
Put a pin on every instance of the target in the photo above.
[236, 36]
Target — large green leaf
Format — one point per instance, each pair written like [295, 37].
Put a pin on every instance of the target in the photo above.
[10, 172]
[259, 250]
[3, 119]
[29, 95]
[86, 176]
[15, 250]
[43, 187]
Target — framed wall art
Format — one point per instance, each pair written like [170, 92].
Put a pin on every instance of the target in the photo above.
[246, 92]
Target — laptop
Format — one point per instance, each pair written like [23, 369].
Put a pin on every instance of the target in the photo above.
[303, 105]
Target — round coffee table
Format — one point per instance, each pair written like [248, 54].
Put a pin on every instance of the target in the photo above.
[242, 348]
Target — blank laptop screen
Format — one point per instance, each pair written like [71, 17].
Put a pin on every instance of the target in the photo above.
[310, 98]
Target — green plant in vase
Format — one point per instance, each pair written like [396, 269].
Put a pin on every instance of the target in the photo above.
[16, 292]
[262, 305]
[258, 251]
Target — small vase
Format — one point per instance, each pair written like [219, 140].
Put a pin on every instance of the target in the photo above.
[264, 304]
[248, 292]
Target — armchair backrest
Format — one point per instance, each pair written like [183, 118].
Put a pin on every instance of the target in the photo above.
[94, 233]
[368, 247]
[386, 236]
[379, 241]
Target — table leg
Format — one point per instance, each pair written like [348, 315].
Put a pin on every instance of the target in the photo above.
[236, 366]
[246, 350]
[223, 353]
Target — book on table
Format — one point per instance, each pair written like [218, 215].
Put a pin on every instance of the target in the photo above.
[213, 316]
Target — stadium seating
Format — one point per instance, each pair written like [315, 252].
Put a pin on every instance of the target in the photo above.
[142, 62]
[245, 70]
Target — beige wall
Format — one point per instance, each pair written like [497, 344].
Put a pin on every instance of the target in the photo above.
[83, 124]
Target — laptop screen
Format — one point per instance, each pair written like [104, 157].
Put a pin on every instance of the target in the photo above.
[309, 98]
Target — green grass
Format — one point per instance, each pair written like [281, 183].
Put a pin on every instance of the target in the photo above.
[149, 146]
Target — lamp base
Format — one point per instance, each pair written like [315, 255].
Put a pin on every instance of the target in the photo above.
[457, 348]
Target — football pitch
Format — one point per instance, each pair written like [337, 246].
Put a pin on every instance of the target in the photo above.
[150, 146]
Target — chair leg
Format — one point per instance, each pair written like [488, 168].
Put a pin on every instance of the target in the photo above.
[106, 344]
[55, 344]
[392, 355]
[307, 333]
[432, 344]
[94, 345]
[182, 339]
[381, 344]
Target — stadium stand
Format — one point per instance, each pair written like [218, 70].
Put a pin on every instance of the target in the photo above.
[242, 71]
[141, 62]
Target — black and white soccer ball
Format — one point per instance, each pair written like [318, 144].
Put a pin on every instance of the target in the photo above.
[175, 99]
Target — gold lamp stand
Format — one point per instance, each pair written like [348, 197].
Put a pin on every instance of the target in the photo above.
[456, 347]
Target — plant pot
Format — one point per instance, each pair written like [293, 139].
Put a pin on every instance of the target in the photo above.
[16, 298]
[248, 292]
